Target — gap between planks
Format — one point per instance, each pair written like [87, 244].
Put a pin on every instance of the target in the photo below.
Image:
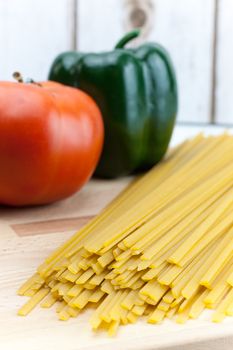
[50, 226]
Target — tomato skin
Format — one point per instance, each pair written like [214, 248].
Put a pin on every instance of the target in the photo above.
[51, 138]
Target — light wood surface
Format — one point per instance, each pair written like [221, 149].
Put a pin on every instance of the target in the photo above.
[224, 92]
[184, 27]
[27, 236]
[32, 33]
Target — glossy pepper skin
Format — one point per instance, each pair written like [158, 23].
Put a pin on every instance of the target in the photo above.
[136, 91]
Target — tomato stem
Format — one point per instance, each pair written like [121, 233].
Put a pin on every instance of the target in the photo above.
[31, 81]
[18, 76]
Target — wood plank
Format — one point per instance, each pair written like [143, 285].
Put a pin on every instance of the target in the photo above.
[224, 74]
[99, 24]
[32, 33]
[184, 27]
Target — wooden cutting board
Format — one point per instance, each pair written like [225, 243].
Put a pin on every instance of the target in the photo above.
[27, 236]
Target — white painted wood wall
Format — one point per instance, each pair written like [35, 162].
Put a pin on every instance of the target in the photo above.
[198, 34]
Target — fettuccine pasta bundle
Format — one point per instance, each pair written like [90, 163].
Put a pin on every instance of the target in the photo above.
[163, 248]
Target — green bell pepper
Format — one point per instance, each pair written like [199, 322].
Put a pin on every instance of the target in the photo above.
[136, 91]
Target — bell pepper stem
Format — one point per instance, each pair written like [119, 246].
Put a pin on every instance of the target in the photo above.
[128, 37]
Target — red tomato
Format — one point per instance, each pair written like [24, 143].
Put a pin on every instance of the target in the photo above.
[51, 137]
